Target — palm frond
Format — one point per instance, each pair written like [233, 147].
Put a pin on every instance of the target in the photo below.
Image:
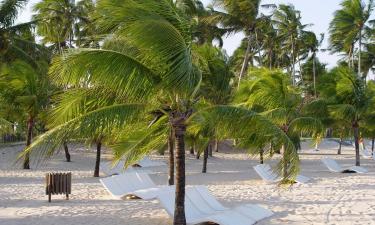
[135, 145]
[9, 11]
[245, 125]
[98, 122]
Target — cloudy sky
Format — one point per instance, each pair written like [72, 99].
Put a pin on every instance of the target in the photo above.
[316, 12]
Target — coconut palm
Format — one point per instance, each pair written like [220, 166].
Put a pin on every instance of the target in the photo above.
[290, 29]
[63, 23]
[28, 89]
[272, 94]
[236, 16]
[312, 44]
[16, 40]
[150, 60]
[5, 126]
[347, 27]
[347, 99]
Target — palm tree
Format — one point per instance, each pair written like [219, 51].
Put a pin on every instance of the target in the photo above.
[16, 40]
[5, 126]
[236, 16]
[150, 60]
[312, 44]
[63, 23]
[271, 94]
[30, 90]
[347, 99]
[290, 29]
[347, 27]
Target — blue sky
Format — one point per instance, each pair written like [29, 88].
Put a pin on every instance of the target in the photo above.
[316, 12]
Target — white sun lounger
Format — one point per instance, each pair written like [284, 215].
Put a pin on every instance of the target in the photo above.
[333, 166]
[266, 173]
[109, 169]
[201, 206]
[147, 162]
[365, 152]
[132, 184]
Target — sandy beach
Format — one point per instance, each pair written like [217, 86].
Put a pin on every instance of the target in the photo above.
[329, 198]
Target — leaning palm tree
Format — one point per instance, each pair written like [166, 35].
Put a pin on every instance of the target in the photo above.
[348, 99]
[29, 90]
[149, 61]
[347, 27]
[236, 16]
[290, 29]
[272, 94]
[62, 23]
[5, 126]
[16, 40]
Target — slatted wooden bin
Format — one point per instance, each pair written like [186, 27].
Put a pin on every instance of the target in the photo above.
[58, 183]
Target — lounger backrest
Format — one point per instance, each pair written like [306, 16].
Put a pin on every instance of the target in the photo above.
[266, 173]
[167, 199]
[109, 169]
[270, 172]
[112, 186]
[134, 181]
[199, 203]
[332, 164]
[147, 162]
[206, 195]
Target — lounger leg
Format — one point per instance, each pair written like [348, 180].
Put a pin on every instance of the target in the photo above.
[49, 197]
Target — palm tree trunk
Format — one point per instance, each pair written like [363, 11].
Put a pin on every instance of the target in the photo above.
[205, 157]
[285, 162]
[372, 145]
[314, 74]
[179, 128]
[66, 150]
[210, 149]
[30, 126]
[356, 142]
[216, 145]
[340, 145]
[261, 152]
[245, 63]
[97, 161]
[359, 52]
[293, 63]
[191, 150]
[171, 159]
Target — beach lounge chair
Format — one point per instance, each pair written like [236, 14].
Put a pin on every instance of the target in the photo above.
[202, 207]
[333, 166]
[147, 162]
[108, 169]
[266, 173]
[365, 153]
[132, 185]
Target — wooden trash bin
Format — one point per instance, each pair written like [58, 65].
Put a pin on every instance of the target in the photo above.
[58, 183]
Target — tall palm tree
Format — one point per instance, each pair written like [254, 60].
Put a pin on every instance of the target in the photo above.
[311, 45]
[347, 27]
[63, 23]
[290, 29]
[149, 60]
[347, 99]
[236, 16]
[30, 90]
[271, 94]
[16, 40]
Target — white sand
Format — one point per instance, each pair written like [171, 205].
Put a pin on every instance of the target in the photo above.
[328, 199]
